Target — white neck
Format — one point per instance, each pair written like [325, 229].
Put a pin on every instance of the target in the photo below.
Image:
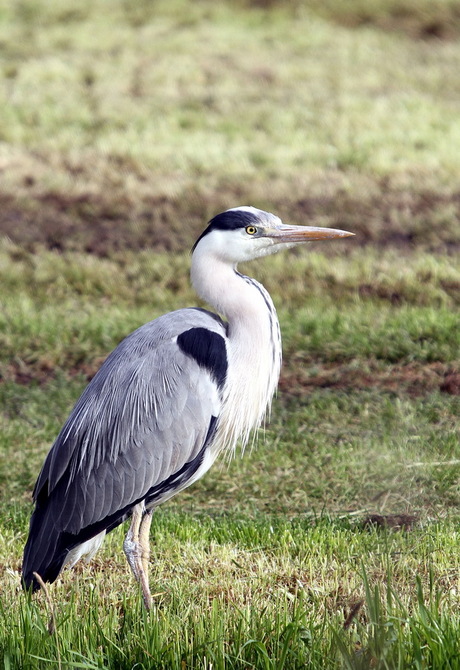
[253, 344]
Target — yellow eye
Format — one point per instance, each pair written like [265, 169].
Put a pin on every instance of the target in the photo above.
[251, 230]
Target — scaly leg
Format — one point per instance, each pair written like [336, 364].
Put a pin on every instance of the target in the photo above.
[144, 538]
[136, 551]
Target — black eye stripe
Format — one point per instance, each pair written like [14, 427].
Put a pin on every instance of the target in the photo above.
[233, 219]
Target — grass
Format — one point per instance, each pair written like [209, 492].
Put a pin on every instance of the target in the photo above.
[138, 137]
[313, 97]
[333, 543]
[266, 604]
[66, 311]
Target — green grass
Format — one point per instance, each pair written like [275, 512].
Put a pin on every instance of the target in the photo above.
[238, 592]
[67, 311]
[333, 542]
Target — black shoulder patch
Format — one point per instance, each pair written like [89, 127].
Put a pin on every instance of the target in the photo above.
[208, 349]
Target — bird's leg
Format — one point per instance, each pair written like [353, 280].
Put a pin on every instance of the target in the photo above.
[131, 543]
[135, 551]
[144, 539]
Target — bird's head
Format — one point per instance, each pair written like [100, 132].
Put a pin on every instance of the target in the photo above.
[244, 233]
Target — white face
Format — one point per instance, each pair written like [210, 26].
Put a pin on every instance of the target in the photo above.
[244, 244]
[258, 235]
[237, 246]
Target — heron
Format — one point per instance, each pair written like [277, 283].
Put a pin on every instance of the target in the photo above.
[171, 397]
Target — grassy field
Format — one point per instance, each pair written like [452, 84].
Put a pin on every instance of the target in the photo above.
[334, 541]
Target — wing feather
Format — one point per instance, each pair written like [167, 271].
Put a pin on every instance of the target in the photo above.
[144, 416]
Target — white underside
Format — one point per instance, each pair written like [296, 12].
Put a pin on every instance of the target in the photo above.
[86, 549]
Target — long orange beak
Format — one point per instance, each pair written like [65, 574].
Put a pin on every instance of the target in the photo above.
[297, 234]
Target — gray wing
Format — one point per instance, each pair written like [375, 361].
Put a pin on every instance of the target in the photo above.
[143, 418]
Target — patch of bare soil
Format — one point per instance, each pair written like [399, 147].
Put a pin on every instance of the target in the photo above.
[451, 383]
[106, 221]
[414, 379]
[89, 223]
[418, 19]
[390, 521]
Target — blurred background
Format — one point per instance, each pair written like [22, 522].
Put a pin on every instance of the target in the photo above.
[129, 124]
